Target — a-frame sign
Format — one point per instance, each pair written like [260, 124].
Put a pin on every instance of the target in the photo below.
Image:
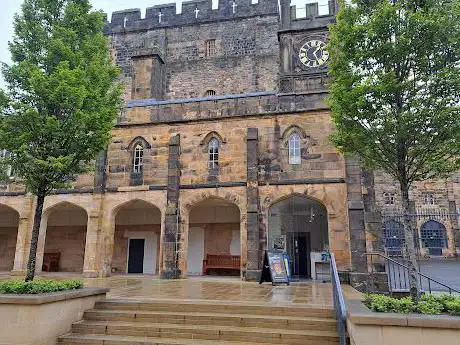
[274, 268]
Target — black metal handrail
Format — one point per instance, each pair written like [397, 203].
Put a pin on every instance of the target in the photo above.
[339, 302]
[398, 276]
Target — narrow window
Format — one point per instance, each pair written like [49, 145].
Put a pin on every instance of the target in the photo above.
[429, 199]
[389, 198]
[138, 158]
[213, 153]
[294, 149]
[210, 93]
[4, 154]
[211, 48]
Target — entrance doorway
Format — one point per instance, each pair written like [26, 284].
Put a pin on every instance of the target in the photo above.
[298, 249]
[136, 255]
[298, 226]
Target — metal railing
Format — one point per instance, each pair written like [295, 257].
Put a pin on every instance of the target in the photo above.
[398, 275]
[339, 303]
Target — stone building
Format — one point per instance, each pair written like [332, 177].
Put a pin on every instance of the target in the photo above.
[221, 152]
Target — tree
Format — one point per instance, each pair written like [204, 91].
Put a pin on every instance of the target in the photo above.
[63, 98]
[395, 92]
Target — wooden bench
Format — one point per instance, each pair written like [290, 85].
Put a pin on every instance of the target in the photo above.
[212, 261]
[51, 262]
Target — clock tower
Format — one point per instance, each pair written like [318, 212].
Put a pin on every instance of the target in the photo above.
[303, 49]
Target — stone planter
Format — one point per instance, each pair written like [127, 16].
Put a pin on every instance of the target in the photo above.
[40, 319]
[366, 327]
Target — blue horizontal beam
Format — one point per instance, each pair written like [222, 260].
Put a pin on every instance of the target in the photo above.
[151, 102]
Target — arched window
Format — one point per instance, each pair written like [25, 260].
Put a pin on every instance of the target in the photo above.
[210, 93]
[434, 237]
[213, 149]
[294, 149]
[138, 158]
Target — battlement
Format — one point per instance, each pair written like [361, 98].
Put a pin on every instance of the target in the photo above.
[193, 12]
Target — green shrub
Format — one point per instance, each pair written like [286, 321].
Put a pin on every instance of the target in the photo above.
[428, 304]
[386, 304]
[38, 286]
[453, 306]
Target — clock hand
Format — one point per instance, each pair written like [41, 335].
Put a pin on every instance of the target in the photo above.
[314, 53]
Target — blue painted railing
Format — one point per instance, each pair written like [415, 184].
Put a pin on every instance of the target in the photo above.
[339, 303]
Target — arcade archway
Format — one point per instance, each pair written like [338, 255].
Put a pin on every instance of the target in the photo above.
[298, 225]
[65, 238]
[214, 244]
[137, 238]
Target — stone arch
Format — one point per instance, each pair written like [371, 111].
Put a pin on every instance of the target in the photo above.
[213, 134]
[50, 207]
[116, 208]
[139, 140]
[293, 129]
[227, 196]
[9, 227]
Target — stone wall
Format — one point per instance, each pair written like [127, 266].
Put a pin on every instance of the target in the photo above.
[171, 53]
[69, 241]
[319, 157]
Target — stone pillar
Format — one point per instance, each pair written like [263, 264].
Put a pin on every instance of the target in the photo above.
[356, 216]
[170, 250]
[252, 191]
[22, 246]
[90, 265]
[455, 226]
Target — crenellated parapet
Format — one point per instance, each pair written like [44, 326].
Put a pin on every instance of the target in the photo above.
[193, 12]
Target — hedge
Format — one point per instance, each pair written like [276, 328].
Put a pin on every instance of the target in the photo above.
[428, 304]
[38, 286]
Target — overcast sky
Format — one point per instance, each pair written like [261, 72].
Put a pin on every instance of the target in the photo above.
[10, 7]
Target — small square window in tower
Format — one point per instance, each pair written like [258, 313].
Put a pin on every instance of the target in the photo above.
[389, 198]
[211, 48]
[429, 199]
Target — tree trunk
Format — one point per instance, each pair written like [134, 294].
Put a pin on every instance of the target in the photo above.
[35, 234]
[410, 252]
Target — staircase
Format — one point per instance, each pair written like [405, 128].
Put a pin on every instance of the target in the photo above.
[123, 322]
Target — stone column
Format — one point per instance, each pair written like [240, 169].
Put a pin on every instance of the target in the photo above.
[356, 216]
[455, 227]
[22, 246]
[90, 265]
[252, 191]
[170, 269]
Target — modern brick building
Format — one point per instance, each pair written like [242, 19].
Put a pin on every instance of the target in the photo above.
[222, 152]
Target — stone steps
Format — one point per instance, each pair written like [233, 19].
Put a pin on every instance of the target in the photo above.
[197, 318]
[120, 322]
[216, 307]
[127, 340]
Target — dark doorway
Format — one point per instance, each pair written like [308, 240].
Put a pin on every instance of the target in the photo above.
[136, 256]
[299, 253]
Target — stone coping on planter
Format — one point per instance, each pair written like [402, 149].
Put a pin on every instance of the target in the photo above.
[36, 299]
[359, 314]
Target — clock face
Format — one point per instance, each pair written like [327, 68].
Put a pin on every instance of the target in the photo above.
[313, 53]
